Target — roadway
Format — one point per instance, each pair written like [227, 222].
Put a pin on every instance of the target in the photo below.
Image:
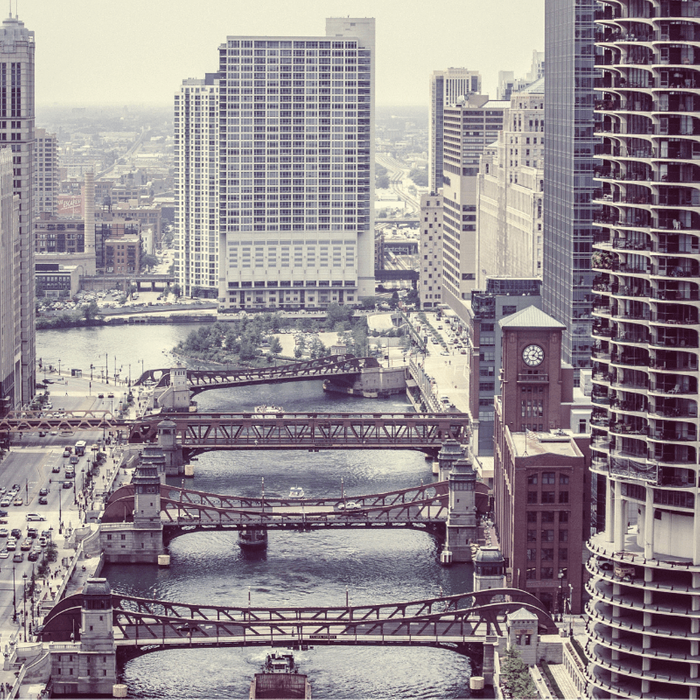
[397, 174]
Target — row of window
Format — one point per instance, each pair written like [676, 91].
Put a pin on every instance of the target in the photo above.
[547, 535]
[547, 497]
[547, 478]
[547, 554]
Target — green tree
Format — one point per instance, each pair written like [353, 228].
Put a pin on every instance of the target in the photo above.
[90, 311]
[176, 290]
[275, 346]
[148, 261]
[298, 352]
[419, 176]
[516, 677]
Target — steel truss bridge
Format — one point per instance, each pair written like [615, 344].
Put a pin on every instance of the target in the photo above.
[143, 625]
[183, 510]
[202, 380]
[200, 432]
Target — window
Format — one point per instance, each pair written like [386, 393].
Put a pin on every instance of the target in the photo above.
[532, 535]
[531, 573]
[563, 555]
[563, 497]
[546, 572]
[564, 516]
[548, 497]
[531, 554]
[547, 535]
[563, 535]
[532, 479]
[548, 478]
[548, 516]
[563, 478]
[532, 497]
[532, 516]
[547, 555]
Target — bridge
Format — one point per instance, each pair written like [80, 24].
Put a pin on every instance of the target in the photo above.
[184, 510]
[139, 279]
[392, 275]
[200, 432]
[142, 625]
[202, 380]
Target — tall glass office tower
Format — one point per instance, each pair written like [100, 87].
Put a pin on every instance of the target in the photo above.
[568, 173]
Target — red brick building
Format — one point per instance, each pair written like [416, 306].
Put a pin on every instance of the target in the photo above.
[541, 480]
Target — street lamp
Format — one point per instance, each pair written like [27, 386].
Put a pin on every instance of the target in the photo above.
[91, 368]
[60, 516]
[560, 598]
[59, 366]
[14, 598]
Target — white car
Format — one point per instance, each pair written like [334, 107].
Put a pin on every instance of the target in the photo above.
[4, 554]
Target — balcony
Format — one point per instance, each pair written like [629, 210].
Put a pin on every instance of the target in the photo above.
[675, 294]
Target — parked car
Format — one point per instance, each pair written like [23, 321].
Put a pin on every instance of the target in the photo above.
[4, 554]
[32, 532]
[4, 532]
[11, 544]
[18, 557]
[16, 533]
[35, 516]
[18, 501]
[33, 555]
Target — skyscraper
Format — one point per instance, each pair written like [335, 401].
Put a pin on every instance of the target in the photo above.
[568, 173]
[275, 174]
[17, 133]
[469, 127]
[645, 569]
[46, 176]
[446, 86]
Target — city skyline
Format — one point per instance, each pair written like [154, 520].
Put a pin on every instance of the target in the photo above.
[79, 63]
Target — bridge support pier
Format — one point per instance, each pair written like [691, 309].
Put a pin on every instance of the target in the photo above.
[488, 665]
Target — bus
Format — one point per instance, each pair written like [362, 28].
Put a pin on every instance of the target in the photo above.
[80, 447]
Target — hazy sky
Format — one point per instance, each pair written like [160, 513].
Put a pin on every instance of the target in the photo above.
[135, 51]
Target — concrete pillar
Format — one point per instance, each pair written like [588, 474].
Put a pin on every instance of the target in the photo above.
[488, 664]
[649, 525]
[620, 523]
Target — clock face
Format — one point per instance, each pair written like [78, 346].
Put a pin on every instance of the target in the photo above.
[533, 355]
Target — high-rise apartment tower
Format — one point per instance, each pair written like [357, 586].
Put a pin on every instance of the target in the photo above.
[644, 627]
[275, 171]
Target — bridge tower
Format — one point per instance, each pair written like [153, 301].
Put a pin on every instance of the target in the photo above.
[449, 453]
[88, 667]
[167, 441]
[147, 531]
[489, 569]
[461, 518]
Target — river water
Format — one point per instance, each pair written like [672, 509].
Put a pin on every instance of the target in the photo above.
[311, 568]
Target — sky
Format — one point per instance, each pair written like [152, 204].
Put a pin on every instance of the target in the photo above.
[139, 51]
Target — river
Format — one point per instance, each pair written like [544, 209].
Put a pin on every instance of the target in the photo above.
[311, 568]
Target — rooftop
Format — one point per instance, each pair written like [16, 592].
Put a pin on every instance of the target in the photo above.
[531, 317]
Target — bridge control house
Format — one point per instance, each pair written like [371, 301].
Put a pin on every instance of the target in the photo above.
[541, 457]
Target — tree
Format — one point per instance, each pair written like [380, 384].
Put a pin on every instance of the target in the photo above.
[176, 290]
[149, 261]
[275, 346]
[516, 677]
[90, 311]
[298, 352]
[419, 176]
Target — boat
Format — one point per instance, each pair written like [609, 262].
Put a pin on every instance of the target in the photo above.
[280, 678]
[253, 538]
[296, 492]
[268, 408]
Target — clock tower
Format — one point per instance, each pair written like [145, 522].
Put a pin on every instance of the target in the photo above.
[531, 374]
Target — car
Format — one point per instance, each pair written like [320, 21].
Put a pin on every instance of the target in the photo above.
[54, 432]
[4, 532]
[67, 484]
[44, 492]
[46, 533]
[56, 468]
[18, 501]
[32, 532]
[42, 433]
[11, 544]
[43, 541]
[4, 554]
[2, 490]
[74, 459]
[66, 431]
[3, 513]
[352, 505]
[66, 452]
[43, 501]
[18, 557]
[100, 396]
[35, 517]
[33, 555]
[26, 545]
[16, 487]
[110, 395]
[16, 533]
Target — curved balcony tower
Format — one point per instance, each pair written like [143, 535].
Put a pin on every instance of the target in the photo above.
[644, 612]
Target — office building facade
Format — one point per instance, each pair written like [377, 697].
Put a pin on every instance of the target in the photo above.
[568, 173]
[289, 190]
[46, 174]
[643, 625]
[446, 87]
[17, 134]
[469, 128]
[510, 190]
[430, 251]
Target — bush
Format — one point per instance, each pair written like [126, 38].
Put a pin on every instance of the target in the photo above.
[516, 677]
